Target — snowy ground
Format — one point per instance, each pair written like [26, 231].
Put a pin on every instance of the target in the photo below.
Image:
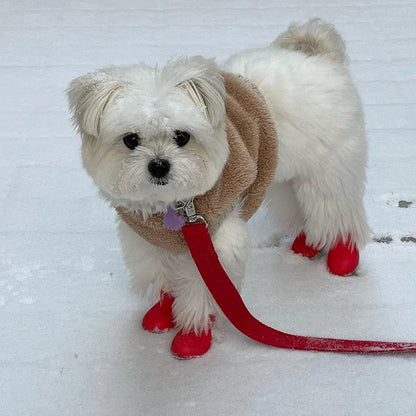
[70, 338]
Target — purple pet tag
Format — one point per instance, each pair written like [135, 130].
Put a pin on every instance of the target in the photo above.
[172, 220]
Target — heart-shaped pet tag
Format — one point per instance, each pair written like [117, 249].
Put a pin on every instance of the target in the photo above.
[172, 220]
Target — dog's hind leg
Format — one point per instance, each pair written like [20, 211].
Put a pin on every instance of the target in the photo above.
[334, 218]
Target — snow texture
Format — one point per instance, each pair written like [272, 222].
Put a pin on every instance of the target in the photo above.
[70, 336]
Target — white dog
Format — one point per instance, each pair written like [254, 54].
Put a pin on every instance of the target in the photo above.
[152, 137]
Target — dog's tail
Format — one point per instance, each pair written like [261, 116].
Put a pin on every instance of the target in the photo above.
[315, 37]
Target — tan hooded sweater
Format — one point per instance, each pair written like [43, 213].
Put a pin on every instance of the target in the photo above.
[248, 172]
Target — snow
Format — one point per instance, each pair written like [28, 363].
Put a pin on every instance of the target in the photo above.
[71, 342]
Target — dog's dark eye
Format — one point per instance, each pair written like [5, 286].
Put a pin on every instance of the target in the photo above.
[181, 137]
[131, 140]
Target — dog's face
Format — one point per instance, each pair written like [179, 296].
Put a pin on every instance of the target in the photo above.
[152, 137]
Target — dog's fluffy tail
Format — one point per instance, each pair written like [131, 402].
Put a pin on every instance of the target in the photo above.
[315, 37]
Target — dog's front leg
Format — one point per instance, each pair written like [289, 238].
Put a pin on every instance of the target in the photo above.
[185, 301]
[149, 266]
[194, 308]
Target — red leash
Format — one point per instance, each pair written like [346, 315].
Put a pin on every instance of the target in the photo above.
[230, 302]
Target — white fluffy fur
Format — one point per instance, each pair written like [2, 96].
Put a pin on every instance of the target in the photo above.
[153, 103]
[322, 141]
[319, 183]
[315, 37]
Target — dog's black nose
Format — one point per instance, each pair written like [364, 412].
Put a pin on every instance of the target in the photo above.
[158, 168]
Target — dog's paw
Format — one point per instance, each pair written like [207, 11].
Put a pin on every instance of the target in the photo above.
[191, 345]
[299, 246]
[159, 318]
[343, 259]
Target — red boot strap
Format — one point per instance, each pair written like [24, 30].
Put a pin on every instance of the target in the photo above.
[233, 307]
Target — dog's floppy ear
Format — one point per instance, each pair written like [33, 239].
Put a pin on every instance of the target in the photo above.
[205, 86]
[88, 96]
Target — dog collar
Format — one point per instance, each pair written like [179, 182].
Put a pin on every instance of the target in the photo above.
[184, 212]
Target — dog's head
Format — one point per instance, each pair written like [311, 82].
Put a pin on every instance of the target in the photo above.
[152, 136]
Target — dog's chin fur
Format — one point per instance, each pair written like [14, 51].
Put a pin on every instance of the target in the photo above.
[319, 183]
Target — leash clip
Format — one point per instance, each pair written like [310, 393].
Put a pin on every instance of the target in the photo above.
[187, 210]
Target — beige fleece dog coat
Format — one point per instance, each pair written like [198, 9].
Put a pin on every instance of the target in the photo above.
[249, 170]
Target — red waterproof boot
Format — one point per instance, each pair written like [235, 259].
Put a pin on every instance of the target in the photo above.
[160, 318]
[299, 246]
[343, 258]
[191, 345]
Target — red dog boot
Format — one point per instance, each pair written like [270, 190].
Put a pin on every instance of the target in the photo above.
[299, 246]
[343, 258]
[160, 318]
[191, 345]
